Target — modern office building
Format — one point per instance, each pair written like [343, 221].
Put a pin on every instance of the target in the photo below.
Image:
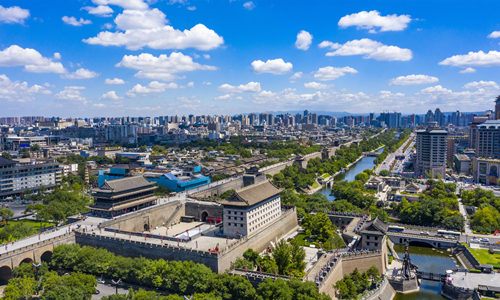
[16, 178]
[476, 121]
[486, 171]
[431, 152]
[462, 163]
[488, 139]
[497, 108]
[391, 119]
[121, 196]
[251, 208]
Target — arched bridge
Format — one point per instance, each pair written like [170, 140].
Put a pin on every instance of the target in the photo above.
[432, 241]
[37, 252]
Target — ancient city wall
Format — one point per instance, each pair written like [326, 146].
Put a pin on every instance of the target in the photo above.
[198, 208]
[152, 251]
[260, 240]
[153, 216]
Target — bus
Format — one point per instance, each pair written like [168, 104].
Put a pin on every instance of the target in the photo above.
[396, 229]
[449, 233]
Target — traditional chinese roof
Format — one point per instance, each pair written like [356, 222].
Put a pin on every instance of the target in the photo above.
[375, 226]
[124, 184]
[252, 194]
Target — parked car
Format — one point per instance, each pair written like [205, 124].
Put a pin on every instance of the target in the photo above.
[484, 240]
[101, 281]
[424, 233]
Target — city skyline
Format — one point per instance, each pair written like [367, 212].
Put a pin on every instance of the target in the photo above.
[131, 57]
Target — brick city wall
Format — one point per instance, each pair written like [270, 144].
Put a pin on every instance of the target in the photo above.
[260, 240]
[153, 216]
[197, 208]
[151, 251]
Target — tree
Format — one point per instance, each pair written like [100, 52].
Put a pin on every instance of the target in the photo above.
[298, 265]
[20, 288]
[252, 256]
[278, 289]
[25, 153]
[162, 191]
[232, 287]
[243, 264]
[34, 148]
[6, 213]
[281, 254]
[268, 264]
[362, 177]
[374, 273]
[385, 173]
[6, 155]
[455, 222]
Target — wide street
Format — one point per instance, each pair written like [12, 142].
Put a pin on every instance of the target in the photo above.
[399, 166]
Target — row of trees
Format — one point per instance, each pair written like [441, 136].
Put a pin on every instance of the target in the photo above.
[186, 277]
[487, 217]
[286, 259]
[437, 206]
[29, 280]
[354, 284]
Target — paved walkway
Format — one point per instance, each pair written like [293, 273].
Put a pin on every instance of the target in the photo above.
[472, 280]
[467, 227]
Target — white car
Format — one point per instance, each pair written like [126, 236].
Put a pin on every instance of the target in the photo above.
[475, 241]
[101, 281]
[424, 233]
[484, 240]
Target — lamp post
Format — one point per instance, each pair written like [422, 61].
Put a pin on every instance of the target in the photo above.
[116, 283]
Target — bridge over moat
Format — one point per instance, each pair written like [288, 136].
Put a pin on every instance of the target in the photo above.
[37, 252]
[416, 239]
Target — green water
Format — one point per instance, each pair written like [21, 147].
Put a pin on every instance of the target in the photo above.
[427, 260]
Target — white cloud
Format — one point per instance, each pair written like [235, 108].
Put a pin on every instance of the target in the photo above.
[436, 90]
[371, 49]
[304, 40]
[494, 35]
[107, 26]
[206, 56]
[99, 105]
[413, 79]
[191, 7]
[189, 85]
[57, 55]
[249, 5]
[166, 37]
[317, 86]
[249, 87]
[331, 73]
[162, 67]
[152, 87]
[111, 95]
[31, 59]
[126, 4]
[372, 20]
[274, 66]
[297, 75]
[73, 21]
[140, 19]
[81, 74]
[224, 97]
[473, 59]
[71, 93]
[19, 91]
[481, 84]
[100, 11]
[331, 45]
[468, 70]
[114, 81]
[13, 14]
[206, 83]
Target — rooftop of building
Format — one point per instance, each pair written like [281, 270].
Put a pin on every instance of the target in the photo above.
[375, 226]
[252, 194]
[4, 161]
[490, 124]
[462, 157]
[124, 184]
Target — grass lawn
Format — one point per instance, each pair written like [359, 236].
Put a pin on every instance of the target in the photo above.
[484, 257]
[325, 175]
[315, 185]
[36, 224]
[336, 239]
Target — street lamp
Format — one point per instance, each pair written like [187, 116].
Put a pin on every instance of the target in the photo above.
[36, 266]
[116, 283]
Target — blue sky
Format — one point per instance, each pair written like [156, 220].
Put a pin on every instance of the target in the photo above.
[138, 57]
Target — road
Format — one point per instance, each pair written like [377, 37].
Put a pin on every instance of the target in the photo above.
[399, 166]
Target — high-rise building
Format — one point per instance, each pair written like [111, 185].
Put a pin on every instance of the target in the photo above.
[497, 108]
[488, 139]
[476, 121]
[429, 117]
[439, 117]
[391, 119]
[431, 152]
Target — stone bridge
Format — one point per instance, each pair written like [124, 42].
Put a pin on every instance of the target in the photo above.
[38, 252]
[417, 239]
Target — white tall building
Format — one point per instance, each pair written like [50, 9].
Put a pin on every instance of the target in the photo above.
[431, 152]
[251, 208]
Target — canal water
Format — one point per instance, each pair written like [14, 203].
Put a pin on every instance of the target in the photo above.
[427, 260]
[366, 162]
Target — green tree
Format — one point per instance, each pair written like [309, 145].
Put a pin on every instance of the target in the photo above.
[20, 288]
[275, 289]
[252, 256]
[162, 191]
[298, 255]
[281, 254]
[6, 155]
[34, 148]
[6, 213]
[374, 273]
[240, 264]
[232, 287]
[384, 173]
